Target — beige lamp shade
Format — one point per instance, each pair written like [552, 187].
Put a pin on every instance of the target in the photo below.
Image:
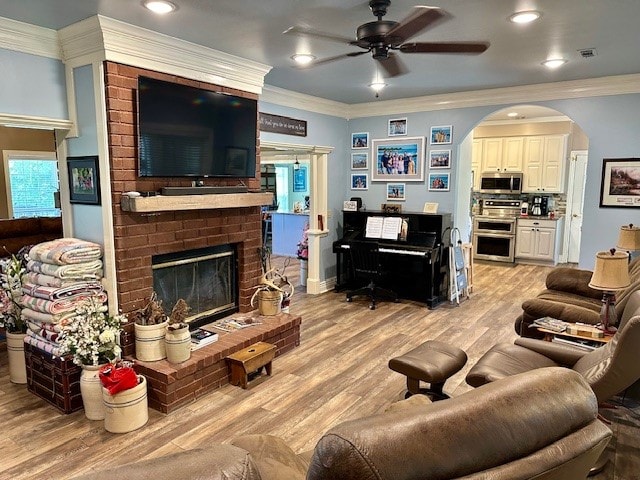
[629, 238]
[611, 271]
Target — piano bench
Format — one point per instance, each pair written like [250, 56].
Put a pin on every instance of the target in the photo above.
[432, 362]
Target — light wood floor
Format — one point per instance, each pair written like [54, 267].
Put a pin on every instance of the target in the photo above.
[339, 372]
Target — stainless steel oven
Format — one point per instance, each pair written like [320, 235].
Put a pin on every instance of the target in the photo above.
[494, 231]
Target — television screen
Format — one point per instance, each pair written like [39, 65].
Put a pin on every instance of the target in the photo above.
[190, 132]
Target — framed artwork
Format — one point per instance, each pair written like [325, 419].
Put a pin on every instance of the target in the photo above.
[300, 179]
[395, 191]
[360, 140]
[441, 135]
[360, 161]
[84, 180]
[236, 161]
[391, 208]
[359, 181]
[400, 159]
[440, 159]
[397, 126]
[438, 182]
[620, 183]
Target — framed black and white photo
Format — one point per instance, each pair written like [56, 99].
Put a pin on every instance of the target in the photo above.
[360, 140]
[620, 185]
[396, 191]
[397, 126]
[359, 181]
[441, 135]
[360, 161]
[397, 159]
[84, 180]
[439, 159]
[438, 182]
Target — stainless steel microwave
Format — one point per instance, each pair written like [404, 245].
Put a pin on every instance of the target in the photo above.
[501, 182]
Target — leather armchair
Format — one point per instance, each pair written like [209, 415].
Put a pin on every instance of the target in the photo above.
[568, 297]
[608, 370]
[482, 434]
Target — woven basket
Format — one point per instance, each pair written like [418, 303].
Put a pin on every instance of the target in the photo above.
[150, 344]
[127, 410]
[178, 345]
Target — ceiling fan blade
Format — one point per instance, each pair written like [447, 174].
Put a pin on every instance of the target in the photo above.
[421, 18]
[444, 47]
[310, 32]
[392, 65]
[322, 61]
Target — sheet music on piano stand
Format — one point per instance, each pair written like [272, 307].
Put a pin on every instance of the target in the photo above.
[387, 228]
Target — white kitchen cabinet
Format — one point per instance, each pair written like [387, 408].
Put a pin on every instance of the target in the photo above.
[544, 163]
[476, 162]
[502, 154]
[538, 240]
[491, 154]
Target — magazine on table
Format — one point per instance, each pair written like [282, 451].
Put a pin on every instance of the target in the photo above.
[233, 323]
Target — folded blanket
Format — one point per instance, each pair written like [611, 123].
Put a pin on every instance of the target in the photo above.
[47, 280]
[61, 305]
[38, 342]
[66, 251]
[53, 293]
[47, 318]
[44, 333]
[80, 271]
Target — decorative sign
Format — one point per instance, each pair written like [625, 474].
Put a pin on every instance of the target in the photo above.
[300, 179]
[280, 124]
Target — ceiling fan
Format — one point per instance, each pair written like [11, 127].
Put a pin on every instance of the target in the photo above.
[382, 37]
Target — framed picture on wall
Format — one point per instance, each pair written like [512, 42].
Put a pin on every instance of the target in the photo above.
[441, 135]
[620, 185]
[396, 191]
[397, 159]
[359, 181]
[84, 180]
[360, 140]
[360, 161]
[300, 179]
[439, 159]
[438, 182]
[397, 126]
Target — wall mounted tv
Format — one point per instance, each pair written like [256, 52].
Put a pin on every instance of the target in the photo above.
[190, 132]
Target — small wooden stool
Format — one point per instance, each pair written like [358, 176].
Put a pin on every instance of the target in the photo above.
[251, 359]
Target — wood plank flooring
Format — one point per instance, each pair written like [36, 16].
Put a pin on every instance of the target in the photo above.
[339, 372]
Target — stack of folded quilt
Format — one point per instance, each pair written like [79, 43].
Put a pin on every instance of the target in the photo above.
[60, 275]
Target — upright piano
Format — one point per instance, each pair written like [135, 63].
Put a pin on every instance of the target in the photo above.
[417, 266]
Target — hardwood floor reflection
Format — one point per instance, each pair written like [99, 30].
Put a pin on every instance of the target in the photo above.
[339, 372]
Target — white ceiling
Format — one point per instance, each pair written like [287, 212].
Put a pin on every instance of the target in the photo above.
[252, 29]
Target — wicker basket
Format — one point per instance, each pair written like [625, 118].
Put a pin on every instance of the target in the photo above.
[127, 410]
[150, 344]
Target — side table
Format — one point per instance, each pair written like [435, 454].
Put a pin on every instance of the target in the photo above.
[584, 332]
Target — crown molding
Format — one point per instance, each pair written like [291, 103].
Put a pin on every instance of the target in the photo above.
[103, 38]
[26, 38]
[26, 121]
[309, 103]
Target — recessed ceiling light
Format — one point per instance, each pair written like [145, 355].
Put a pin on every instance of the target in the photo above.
[161, 7]
[527, 16]
[303, 58]
[377, 86]
[512, 114]
[554, 62]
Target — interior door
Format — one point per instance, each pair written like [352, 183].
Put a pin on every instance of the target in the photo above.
[575, 205]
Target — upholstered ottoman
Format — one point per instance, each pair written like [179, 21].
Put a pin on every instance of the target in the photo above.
[432, 362]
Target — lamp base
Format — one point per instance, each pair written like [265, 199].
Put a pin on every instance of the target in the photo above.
[608, 317]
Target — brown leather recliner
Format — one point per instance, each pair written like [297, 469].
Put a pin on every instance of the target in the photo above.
[568, 297]
[482, 434]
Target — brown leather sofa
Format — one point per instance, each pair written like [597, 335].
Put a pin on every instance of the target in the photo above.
[17, 233]
[568, 297]
[482, 434]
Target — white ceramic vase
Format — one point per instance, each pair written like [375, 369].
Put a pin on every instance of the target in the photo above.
[15, 353]
[91, 391]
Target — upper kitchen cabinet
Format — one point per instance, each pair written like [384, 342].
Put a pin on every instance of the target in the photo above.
[501, 154]
[476, 162]
[544, 163]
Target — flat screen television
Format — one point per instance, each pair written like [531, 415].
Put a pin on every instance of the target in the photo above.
[185, 131]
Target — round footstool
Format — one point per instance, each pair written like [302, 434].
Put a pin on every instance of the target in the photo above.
[432, 362]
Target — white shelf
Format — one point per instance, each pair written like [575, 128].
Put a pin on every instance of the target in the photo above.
[162, 203]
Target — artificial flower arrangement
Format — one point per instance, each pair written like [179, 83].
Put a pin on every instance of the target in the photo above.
[92, 335]
[303, 246]
[11, 271]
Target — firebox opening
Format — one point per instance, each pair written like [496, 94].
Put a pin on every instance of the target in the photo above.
[206, 278]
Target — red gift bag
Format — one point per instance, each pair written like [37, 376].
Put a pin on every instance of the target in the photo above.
[116, 378]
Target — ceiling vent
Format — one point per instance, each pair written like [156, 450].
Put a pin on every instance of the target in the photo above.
[587, 52]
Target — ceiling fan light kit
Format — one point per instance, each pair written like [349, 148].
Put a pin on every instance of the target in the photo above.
[382, 37]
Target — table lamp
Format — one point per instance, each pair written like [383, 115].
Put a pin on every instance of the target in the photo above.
[629, 238]
[611, 273]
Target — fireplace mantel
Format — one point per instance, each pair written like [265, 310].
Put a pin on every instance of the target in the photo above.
[162, 203]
